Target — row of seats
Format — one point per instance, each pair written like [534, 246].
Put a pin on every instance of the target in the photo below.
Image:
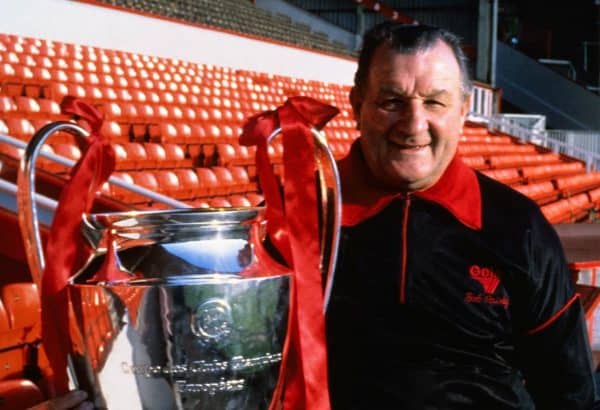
[572, 209]
[499, 160]
[184, 183]
[23, 363]
[531, 173]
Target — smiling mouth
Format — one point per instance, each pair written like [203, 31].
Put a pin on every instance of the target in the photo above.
[410, 146]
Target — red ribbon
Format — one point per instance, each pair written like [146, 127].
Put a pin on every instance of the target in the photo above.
[293, 227]
[66, 250]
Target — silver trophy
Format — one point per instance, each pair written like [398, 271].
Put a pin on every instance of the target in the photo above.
[201, 321]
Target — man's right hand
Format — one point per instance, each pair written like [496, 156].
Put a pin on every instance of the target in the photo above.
[73, 400]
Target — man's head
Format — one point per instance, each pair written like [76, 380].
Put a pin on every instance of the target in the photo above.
[410, 99]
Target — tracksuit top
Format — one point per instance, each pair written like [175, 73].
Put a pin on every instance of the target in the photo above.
[456, 297]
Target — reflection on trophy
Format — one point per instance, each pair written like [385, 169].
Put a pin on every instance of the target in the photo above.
[199, 314]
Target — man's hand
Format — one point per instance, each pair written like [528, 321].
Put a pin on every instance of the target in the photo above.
[73, 400]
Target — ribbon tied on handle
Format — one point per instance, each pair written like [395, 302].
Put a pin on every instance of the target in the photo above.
[293, 228]
[65, 244]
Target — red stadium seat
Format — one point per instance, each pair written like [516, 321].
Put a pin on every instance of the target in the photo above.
[541, 192]
[219, 202]
[254, 198]
[144, 179]
[208, 182]
[189, 183]
[175, 156]
[238, 200]
[156, 155]
[537, 172]
[137, 156]
[226, 181]
[168, 183]
[121, 160]
[22, 304]
[19, 394]
[20, 128]
[558, 211]
[507, 176]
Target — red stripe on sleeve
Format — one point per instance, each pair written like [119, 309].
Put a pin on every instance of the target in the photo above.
[555, 316]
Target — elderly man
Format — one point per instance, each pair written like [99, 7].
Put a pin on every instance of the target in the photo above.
[451, 291]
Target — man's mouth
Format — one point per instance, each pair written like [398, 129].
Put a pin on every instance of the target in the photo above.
[414, 147]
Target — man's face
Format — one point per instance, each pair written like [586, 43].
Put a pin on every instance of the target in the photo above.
[410, 114]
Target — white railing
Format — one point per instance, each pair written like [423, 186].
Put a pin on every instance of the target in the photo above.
[483, 101]
[151, 195]
[583, 145]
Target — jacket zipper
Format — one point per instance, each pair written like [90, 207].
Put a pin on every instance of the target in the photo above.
[404, 247]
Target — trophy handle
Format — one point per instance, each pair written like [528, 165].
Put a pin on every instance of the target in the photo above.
[330, 208]
[27, 208]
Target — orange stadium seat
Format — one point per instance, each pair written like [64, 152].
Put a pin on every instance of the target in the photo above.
[556, 212]
[20, 128]
[238, 200]
[156, 155]
[226, 180]
[475, 162]
[574, 184]
[508, 161]
[19, 394]
[189, 183]
[209, 185]
[175, 156]
[507, 176]
[144, 179]
[536, 172]
[541, 192]
[219, 202]
[22, 304]
[168, 183]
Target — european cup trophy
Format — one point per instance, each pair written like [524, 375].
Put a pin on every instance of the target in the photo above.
[183, 308]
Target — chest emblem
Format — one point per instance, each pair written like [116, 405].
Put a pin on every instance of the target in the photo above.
[486, 277]
[489, 281]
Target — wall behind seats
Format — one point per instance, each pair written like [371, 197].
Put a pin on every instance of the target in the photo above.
[88, 24]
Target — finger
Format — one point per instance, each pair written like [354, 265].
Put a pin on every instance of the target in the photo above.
[86, 405]
[68, 401]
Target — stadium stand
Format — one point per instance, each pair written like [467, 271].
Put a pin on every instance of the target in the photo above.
[241, 17]
[174, 127]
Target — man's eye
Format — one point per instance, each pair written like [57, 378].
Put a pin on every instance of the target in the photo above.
[391, 104]
[434, 103]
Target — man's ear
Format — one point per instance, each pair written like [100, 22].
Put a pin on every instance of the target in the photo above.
[464, 109]
[356, 103]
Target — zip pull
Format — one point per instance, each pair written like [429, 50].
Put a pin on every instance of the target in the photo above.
[406, 199]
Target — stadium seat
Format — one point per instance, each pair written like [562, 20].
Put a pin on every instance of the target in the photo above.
[20, 128]
[537, 172]
[189, 183]
[238, 200]
[209, 185]
[19, 394]
[22, 304]
[577, 183]
[175, 156]
[507, 176]
[541, 192]
[156, 155]
[557, 212]
[168, 183]
[226, 182]
[219, 202]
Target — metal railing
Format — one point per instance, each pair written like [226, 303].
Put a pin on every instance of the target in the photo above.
[51, 204]
[582, 145]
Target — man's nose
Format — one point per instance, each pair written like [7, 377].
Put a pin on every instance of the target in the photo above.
[413, 119]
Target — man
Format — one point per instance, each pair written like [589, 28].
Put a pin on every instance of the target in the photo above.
[451, 291]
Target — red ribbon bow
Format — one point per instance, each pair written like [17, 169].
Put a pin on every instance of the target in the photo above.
[65, 244]
[293, 227]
